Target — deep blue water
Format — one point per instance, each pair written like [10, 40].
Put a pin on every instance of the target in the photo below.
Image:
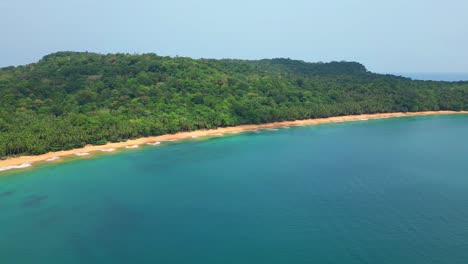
[383, 191]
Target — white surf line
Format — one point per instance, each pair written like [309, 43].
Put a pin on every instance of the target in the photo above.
[24, 165]
[132, 147]
[154, 144]
[82, 154]
[107, 150]
[53, 158]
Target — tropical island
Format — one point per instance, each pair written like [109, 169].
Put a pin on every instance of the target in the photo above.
[69, 100]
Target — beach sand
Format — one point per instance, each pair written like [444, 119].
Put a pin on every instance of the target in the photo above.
[25, 161]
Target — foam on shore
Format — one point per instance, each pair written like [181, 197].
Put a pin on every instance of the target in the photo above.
[53, 158]
[24, 165]
[132, 147]
[154, 144]
[107, 150]
[82, 154]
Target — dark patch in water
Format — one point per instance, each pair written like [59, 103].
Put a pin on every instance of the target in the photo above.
[117, 223]
[34, 201]
[49, 216]
[119, 218]
[6, 193]
[81, 249]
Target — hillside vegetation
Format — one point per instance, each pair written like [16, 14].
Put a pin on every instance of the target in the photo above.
[69, 99]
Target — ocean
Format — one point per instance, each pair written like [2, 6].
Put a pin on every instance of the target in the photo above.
[379, 191]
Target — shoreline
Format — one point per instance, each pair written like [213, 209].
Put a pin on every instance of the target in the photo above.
[27, 161]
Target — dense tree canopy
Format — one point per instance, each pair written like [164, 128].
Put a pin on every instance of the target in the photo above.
[69, 99]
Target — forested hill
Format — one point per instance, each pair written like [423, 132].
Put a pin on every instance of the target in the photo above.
[69, 99]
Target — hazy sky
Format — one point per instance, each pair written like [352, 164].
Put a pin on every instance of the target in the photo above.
[386, 36]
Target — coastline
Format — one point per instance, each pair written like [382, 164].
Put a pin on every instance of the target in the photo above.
[27, 161]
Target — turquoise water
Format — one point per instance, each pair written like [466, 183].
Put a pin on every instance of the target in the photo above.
[384, 191]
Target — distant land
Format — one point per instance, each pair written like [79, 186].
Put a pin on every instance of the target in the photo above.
[68, 100]
[435, 76]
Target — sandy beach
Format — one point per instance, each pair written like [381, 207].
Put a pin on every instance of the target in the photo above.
[26, 161]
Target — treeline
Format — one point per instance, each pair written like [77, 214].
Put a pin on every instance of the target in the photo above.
[69, 99]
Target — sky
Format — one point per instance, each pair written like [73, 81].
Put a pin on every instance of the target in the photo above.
[386, 36]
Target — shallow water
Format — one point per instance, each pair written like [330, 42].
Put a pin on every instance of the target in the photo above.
[380, 191]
